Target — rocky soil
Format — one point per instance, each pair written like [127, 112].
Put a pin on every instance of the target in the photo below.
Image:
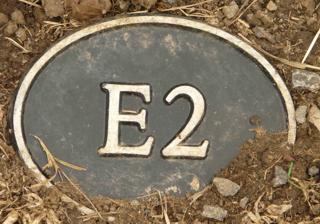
[269, 182]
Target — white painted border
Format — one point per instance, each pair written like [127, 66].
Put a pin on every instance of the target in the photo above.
[153, 19]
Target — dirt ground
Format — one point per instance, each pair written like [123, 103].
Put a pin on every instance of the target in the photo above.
[281, 30]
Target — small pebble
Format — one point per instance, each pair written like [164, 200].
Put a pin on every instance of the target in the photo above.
[280, 177]
[305, 80]
[111, 219]
[11, 28]
[314, 116]
[226, 187]
[301, 114]
[271, 6]
[230, 10]
[18, 17]
[134, 203]
[3, 19]
[53, 8]
[123, 4]
[313, 171]
[214, 212]
[243, 202]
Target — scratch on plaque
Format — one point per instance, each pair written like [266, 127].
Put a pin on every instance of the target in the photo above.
[171, 44]
[173, 189]
[195, 183]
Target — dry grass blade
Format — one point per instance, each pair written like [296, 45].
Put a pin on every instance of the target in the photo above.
[287, 62]
[2, 148]
[184, 6]
[256, 206]
[52, 159]
[53, 163]
[12, 217]
[30, 3]
[198, 195]
[311, 46]
[15, 43]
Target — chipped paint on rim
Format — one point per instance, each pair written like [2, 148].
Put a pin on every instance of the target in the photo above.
[120, 22]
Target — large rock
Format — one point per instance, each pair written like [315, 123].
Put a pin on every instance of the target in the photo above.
[226, 187]
[306, 80]
[214, 212]
[280, 177]
[53, 8]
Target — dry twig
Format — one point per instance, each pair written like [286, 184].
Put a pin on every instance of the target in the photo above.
[242, 12]
[15, 43]
[30, 3]
[311, 46]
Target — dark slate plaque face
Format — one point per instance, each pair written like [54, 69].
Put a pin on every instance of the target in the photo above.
[190, 90]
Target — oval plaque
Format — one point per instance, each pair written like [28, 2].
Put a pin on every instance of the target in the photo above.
[147, 102]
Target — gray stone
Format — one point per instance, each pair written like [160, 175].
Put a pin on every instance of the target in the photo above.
[226, 187]
[11, 28]
[18, 17]
[314, 116]
[271, 6]
[301, 114]
[313, 171]
[3, 19]
[280, 177]
[305, 80]
[214, 212]
[230, 10]
[243, 202]
[53, 8]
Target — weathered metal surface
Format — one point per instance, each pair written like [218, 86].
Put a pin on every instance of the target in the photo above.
[65, 106]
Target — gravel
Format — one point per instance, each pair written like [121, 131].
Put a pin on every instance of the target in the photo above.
[214, 212]
[314, 116]
[53, 8]
[305, 80]
[301, 114]
[230, 10]
[313, 171]
[280, 177]
[271, 6]
[243, 202]
[225, 186]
